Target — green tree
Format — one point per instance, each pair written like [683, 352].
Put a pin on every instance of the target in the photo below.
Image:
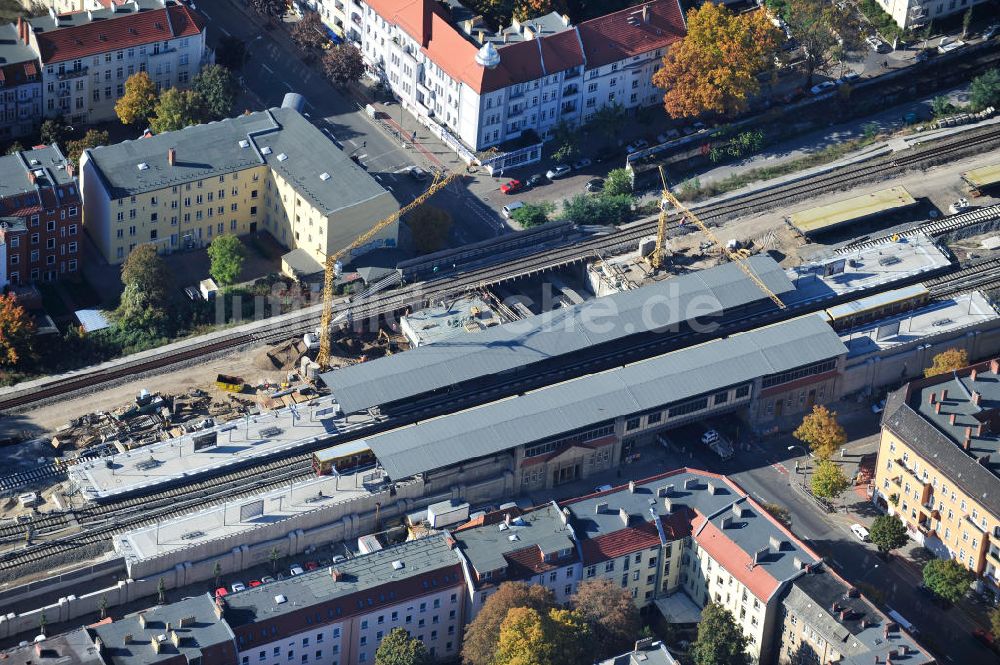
[429, 226]
[217, 573]
[825, 30]
[565, 145]
[984, 91]
[887, 533]
[618, 181]
[136, 106]
[343, 64]
[177, 109]
[398, 648]
[611, 615]
[53, 130]
[821, 432]
[480, 640]
[720, 641]
[966, 22]
[14, 148]
[227, 255]
[103, 606]
[601, 209]
[231, 52]
[217, 88]
[273, 557]
[995, 621]
[533, 214]
[947, 578]
[779, 513]
[828, 480]
[161, 591]
[43, 622]
[942, 106]
[946, 362]
[92, 139]
[609, 121]
[144, 305]
[17, 330]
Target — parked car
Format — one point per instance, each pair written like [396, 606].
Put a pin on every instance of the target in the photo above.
[237, 587]
[536, 180]
[267, 579]
[849, 77]
[820, 88]
[296, 569]
[221, 592]
[418, 174]
[512, 186]
[582, 163]
[948, 45]
[877, 44]
[986, 638]
[311, 565]
[509, 209]
[340, 558]
[595, 184]
[636, 146]
[992, 30]
[254, 584]
[860, 532]
[709, 436]
[558, 171]
[603, 488]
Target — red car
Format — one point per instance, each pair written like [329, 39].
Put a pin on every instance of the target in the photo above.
[512, 186]
[986, 637]
[311, 565]
[221, 591]
[254, 583]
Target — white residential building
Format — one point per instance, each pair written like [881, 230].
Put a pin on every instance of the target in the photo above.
[480, 88]
[916, 13]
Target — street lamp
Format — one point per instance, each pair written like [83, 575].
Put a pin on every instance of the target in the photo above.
[805, 473]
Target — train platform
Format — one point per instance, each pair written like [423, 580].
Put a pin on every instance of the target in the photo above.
[965, 311]
[213, 449]
[821, 219]
[867, 268]
[234, 519]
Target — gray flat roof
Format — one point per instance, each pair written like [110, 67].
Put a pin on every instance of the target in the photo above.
[73, 648]
[202, 628]
[467, 356]
[214, 149]
[541, 530]
[588, 400]
[14, 172]
[418, 558]
[13, 50]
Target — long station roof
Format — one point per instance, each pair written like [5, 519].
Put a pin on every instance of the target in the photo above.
[589, 400]
[663, 306]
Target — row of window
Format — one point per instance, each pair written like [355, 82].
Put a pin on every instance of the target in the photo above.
[48, 275]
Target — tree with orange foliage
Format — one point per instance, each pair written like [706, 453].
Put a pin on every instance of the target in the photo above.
[16, 330]
[529, 9]
[714, 68]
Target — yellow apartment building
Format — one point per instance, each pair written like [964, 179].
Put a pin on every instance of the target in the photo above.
[268, 171]
[938, 462]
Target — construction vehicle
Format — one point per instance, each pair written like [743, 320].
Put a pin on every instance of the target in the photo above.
[739, 257]
[656, 258]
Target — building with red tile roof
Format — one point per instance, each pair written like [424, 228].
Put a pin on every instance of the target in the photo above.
[483, 88]
[86, 57]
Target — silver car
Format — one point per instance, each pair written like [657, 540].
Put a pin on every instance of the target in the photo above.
[558, 171]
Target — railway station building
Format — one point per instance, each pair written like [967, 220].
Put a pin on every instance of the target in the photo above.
[270, 171]
[938, 466]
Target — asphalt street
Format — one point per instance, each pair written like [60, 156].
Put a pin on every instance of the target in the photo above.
[273, 69]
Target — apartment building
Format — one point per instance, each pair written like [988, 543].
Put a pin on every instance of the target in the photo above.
[938, 462]
[909, 14]
[268, 171]
[482, 88]
[20, 86]
[536, 547]
[85, 57]
[67, 6]
[40, 217]
[339, 616]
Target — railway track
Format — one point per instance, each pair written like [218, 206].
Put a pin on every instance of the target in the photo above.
[623, 239]
[983, 274]
[104, 521]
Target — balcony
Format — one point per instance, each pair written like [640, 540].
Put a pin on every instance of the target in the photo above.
[571, 90]
[993, 556]
[516, 112]
[567, 108]
[514, 94]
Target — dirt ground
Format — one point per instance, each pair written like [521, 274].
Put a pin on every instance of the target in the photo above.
[937, 187]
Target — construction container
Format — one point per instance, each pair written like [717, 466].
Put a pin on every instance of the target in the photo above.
[233, 384]
[447, 513]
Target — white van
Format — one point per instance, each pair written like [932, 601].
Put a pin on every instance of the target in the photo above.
[508, 210]
[860, 532]
[903, 623]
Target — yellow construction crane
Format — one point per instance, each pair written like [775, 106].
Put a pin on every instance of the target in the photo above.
[656, 260]
[329, 277]
[738, 257]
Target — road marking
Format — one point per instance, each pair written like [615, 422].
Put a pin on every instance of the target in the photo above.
[402, 170]
[389, 187]
[290, 88]
[377, 177]
[224, 31]
[264, 65]
[362, 156]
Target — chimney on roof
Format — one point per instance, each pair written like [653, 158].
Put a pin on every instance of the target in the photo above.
[835, 607]
[31, 177]
[903, 649]
[664, 491]
[623, 516]
[983, 459]
[171, 156]
[600, 508]
[951, 418]
[20, 28]
[843, 614]
[777, 544]
[737, 510]
[668, 505]
[944, 394]
[885, 630]
[972, 374]
[691, 483]
[155, 644]
[976, 397]
[727, 522]
[142, 620]
[966, 444]
[69, 169]
[979, 429]
[995, 365]
[631, 486]
[506, 519]
[175, 639]
[932, 398]
[645, 13]
[798, 563]
[565, 20]
[853, 592]
[759, 555]
[336, 575]
[127, 639]
[712, 489]
[937, 408]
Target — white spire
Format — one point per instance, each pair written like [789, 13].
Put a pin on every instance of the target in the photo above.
[488, 56]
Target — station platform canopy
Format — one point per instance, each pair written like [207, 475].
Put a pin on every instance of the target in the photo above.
[848, 211]
[665, 306]
[987, 176]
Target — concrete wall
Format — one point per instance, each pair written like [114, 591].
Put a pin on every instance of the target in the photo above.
[891, 367]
